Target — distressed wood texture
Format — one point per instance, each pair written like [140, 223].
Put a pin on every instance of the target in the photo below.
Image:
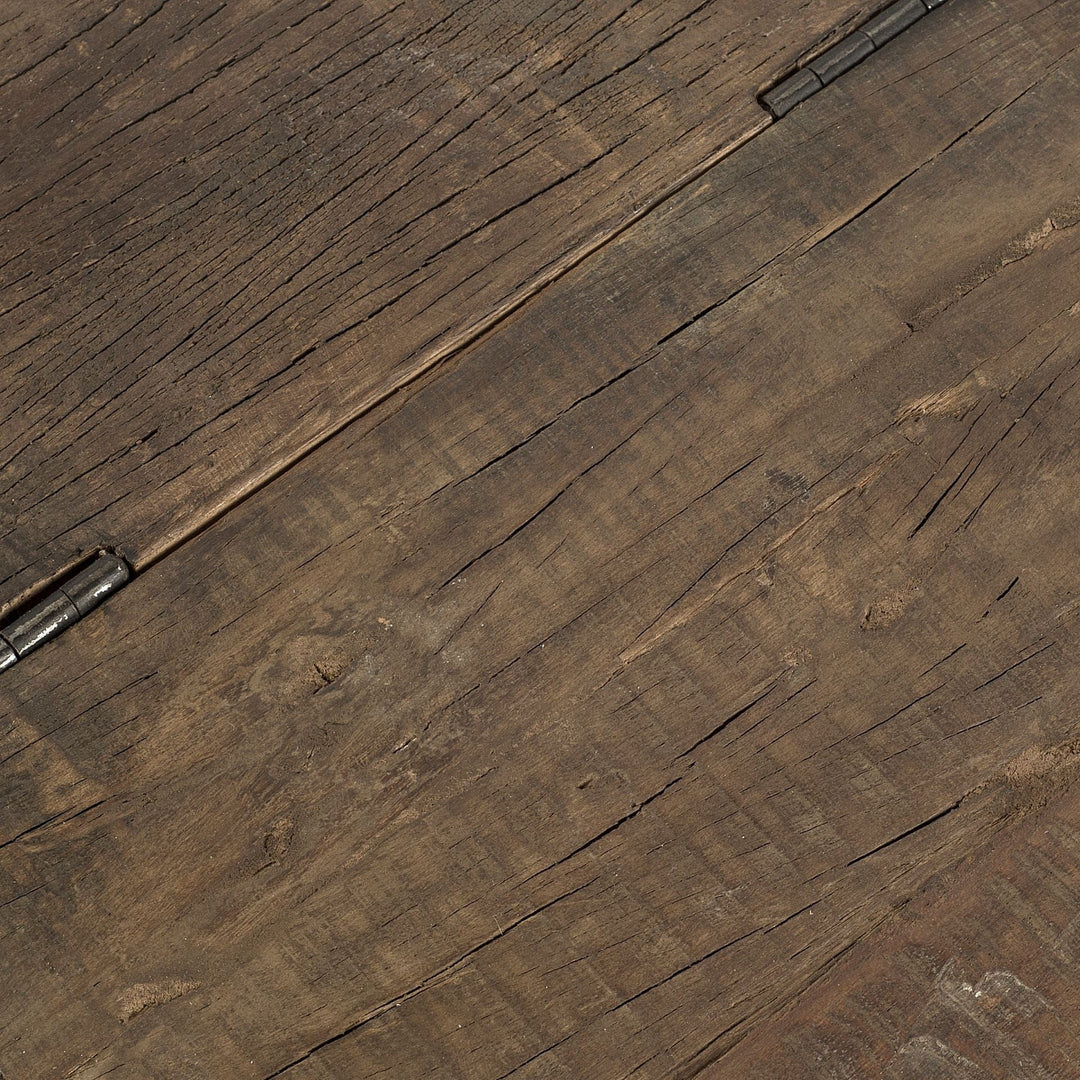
[574, 713]
[976, 978]
[230, 226]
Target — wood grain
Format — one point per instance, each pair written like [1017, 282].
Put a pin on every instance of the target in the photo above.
[976, 977]
[575, 713]
[228, 227]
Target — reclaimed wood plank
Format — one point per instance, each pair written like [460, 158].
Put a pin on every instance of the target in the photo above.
[977, 976]
[228, 227]
[572, 713]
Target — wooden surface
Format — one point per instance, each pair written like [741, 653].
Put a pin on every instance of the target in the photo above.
[229, 227]
[947, 989]
[641, 689]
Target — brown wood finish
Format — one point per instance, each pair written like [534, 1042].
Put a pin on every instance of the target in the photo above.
[228, 227]
[577, 712]
[978, 977]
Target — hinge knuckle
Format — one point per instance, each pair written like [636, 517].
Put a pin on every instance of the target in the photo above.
[896, 17]
[67, 604]
[844, 55]
[89, 587]
[781, 99]
[41, 623]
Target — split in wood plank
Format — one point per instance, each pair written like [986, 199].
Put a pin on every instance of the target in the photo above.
[230, 227]
[572, 715]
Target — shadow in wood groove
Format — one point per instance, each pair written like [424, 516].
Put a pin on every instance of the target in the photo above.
[555, 863]
[196, 294]
[168, 543]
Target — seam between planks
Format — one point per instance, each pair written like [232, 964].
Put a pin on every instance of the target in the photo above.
[251, 484]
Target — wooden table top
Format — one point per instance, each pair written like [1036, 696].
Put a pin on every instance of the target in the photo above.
[605, 559]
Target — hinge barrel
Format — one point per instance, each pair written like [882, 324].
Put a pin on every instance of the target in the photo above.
[844, 55]
[75, 598]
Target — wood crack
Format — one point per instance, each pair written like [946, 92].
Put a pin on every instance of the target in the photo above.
[424, 984]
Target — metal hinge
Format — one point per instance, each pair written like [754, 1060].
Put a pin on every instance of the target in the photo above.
[75, 598]
[843, 56]
[89, 587]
